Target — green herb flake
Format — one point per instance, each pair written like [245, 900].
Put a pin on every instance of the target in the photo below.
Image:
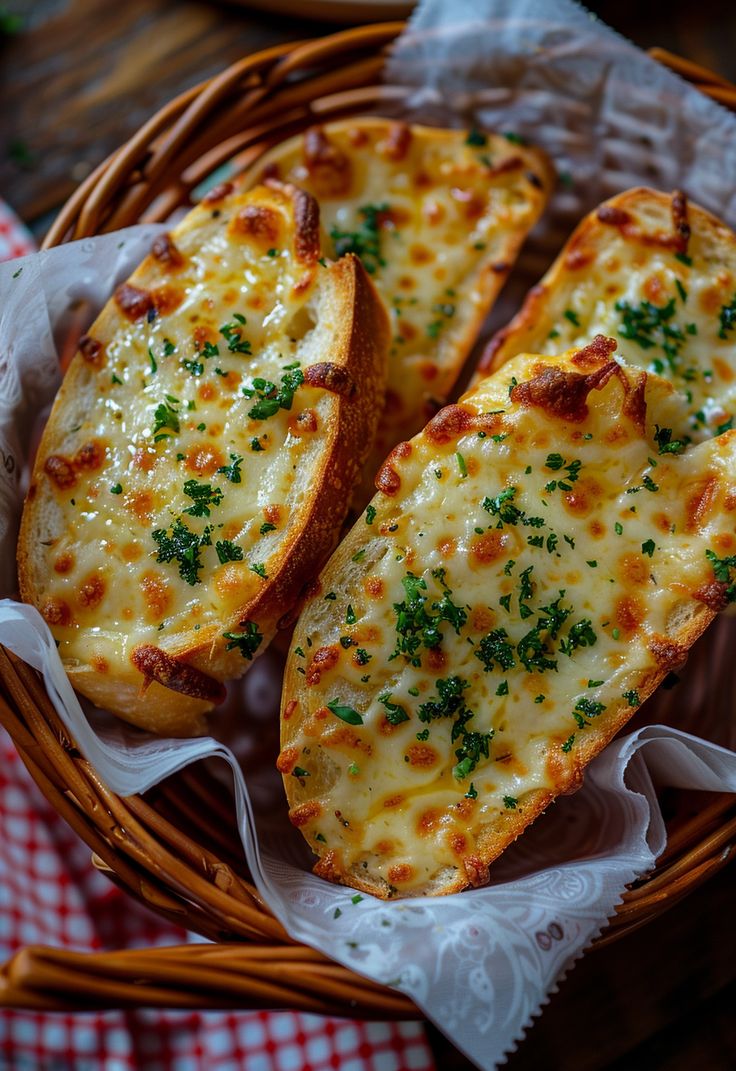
[370, 514]
[203, 496]
[510, 802]
[395, 713]
[260, 570]
[116, 489]
[365, 240]
[632, 698]
[648, 547]
[228, 552]
[231, 472]
[345, 713]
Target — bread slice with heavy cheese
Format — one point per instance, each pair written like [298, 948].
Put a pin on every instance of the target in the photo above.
[438, 218]
[198, 461]
[537, 560]
[657, 274]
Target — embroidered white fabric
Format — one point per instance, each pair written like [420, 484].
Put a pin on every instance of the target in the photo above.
[480, 964]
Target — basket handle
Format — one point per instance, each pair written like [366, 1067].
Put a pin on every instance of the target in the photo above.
[198, 976]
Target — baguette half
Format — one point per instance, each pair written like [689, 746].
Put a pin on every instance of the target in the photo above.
[533, 567]
[438, 218]
[656, 273]
[199, 458]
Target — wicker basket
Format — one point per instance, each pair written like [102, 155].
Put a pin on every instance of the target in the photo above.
[197, 878]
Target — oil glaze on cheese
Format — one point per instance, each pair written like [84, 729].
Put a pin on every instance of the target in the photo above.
[532, 570]
[438, 217]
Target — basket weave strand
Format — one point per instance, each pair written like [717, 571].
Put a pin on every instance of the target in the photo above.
[178, 850]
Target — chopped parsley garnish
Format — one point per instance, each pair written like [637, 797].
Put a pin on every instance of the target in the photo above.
[267, 527]
[416, 623]
[555, 462]
[567, 746]
[194, 367]
[365, 240]
[260, 570]
[503, 688]
[247, 642]
[362, 657]
[231, 472]
[648, 547]
[152, 359]
[370, 514]
[572, 317]
[299, 771]
[581, 634]
[256, 445]
[472, 793]
[116, 489]
[649, 326]
[228, 552]
[495, 650]
[510, 802]
[233, 335]
[632, 698]
[502, 506]
[722, 572]
[165, 420]
[665, 442]
[203, 496]
[347, 714]
[272, 398]
[183, 546]
[395, 713]
[461, 465]
[728, 318]
[476, 137]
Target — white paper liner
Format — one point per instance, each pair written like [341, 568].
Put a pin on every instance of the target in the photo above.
[479, 964]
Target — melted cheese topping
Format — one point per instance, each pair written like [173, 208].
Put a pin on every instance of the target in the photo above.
[197, 435]
[671, 312]
[425, 209]
[490, 623]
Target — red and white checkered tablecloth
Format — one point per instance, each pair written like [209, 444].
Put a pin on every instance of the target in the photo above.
[50, 894]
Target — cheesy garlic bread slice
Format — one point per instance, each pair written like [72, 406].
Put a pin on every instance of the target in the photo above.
[536, 561]
[438, 218]
[198, 461]
[657, 274]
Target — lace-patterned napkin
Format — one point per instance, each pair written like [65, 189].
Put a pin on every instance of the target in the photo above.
[480, 964]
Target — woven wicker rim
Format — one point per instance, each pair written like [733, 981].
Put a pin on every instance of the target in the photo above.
[197, 878]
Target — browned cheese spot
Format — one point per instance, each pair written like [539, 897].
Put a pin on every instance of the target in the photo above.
[64, 563]
[60, 471]
[323, 660]
[394, 801]
[332, 377]
[91, 591]
[598, 352]
[476, 870]
[305, 812]
[488, 547]
[680, 221]
[457, 843]
[290, 708]
[666, 653]
[615, 217]
[156, 595]
[156, 665]
[304, 423]
[561, 394]
[56, 612]
[373, 587]
[329, 168]
[396, 145]
[259, 223]
[287, 759]
[90, 456]
[422, 755]
[449, 424]
[133, 302]
[428, 821]
[634, 569]
[585, 495]
[165, 251]
[699, 503]
[629, 612]
[204, 459]
[400, 873]
[92, 350]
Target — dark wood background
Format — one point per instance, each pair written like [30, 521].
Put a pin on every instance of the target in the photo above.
[78, 77]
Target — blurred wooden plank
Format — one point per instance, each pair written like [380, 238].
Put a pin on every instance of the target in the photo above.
[86, 74]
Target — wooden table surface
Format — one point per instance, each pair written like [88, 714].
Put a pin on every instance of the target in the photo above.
[79, 77]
